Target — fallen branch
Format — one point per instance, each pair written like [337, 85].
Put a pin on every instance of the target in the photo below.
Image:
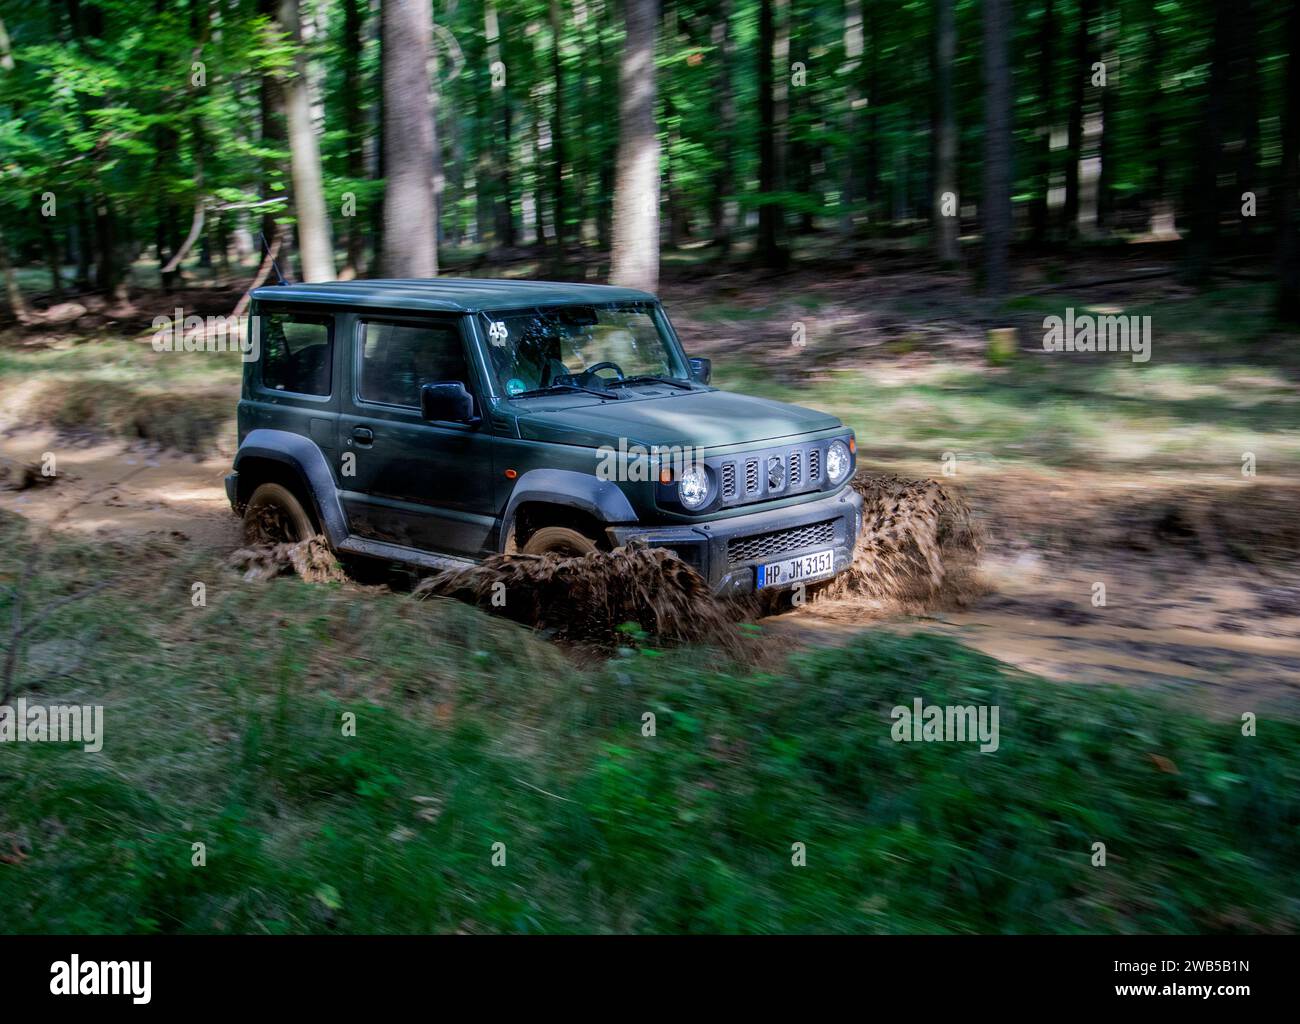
[1139, 276]
[263, 272]
[196, 228]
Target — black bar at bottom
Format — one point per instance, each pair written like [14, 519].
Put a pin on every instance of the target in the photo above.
[213, 973]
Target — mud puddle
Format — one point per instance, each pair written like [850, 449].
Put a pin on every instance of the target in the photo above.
[1193, 590]
[112, 491]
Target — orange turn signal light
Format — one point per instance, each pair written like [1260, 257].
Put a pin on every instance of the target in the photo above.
[665, 476]
[853, 445]
[511, 474]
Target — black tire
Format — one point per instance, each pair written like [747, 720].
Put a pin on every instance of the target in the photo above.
[559, 540]
[274, 515]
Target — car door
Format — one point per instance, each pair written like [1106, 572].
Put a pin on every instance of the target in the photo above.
[410, 481]
[292, 385]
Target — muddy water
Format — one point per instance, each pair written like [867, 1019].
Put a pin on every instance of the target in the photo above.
[111, 491]
[1227, 640]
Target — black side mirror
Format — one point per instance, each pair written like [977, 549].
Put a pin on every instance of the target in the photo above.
[701, 369]
[448, 401]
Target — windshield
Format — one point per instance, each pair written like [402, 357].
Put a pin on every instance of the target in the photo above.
[590, 345]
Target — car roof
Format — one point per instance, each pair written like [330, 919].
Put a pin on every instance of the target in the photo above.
[449, 294]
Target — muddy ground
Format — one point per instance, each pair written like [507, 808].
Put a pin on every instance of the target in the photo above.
[1183, 611]
[1201, 577]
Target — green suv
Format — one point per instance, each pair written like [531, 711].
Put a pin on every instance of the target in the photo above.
[432, 423]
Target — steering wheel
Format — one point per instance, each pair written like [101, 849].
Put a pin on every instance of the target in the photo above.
[590, 371]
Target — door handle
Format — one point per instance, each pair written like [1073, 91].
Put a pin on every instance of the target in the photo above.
[363, 435]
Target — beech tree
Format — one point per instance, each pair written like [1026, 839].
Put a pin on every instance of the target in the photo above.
[410, 232]
[634, 257]
[997, 146]
[315, 239]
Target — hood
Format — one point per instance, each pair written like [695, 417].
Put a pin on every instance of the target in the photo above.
[707, 419]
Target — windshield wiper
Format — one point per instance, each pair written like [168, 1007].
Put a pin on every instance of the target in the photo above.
[553, 388]
[646, 378]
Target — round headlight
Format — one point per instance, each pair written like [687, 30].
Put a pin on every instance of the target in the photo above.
[693, 487]
[837, 461]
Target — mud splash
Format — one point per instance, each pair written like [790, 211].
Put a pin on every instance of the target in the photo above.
[918, 550]
[919, 547]
[590, 599]
[310, 559]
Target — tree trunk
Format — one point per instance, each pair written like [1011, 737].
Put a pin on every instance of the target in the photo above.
[353, 124]
[271, 102]
[1080, 74]
[437, 120]
[316, 248]
[853, 45]
[53, 255]
[770, 214]
[1161, 216]
[634, 260]
[724, 175]
[872, 185]
[1039, 211]
[945, 136]
[1106, 146]
[997, 146]
[1203, 243]
[85, 244]
[108, 272]
[1246, 76]
[17, 305]
[410, 240]
[557, 136]
[1288, 250]
[493, 177]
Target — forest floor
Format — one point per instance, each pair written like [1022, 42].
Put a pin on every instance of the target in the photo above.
[1121, 719]
[1081, 470]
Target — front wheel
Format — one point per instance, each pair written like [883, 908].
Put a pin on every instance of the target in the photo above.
[274, 515]
[559, 540]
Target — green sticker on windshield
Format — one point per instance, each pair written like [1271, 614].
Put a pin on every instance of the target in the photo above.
[514, 386]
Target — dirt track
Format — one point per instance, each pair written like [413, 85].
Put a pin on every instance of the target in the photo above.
[1224, 633]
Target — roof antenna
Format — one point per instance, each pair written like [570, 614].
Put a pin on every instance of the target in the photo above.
[279, 276]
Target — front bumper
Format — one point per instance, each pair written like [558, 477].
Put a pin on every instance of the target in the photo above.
[727, 551]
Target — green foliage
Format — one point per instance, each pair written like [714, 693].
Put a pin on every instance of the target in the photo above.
[137, 110]
[224, 726]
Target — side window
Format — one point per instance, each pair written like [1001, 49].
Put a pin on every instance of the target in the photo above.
[296, 353]
[396, 359]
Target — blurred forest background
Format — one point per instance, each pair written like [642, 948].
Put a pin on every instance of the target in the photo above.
[591, 136]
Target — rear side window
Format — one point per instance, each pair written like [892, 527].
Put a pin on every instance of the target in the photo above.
[396, 359]
[297, 353]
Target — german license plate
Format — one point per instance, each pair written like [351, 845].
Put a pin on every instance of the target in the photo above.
[789, 571]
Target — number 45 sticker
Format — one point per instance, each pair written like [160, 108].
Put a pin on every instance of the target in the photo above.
[497, 332]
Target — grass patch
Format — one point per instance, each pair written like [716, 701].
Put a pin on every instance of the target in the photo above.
[224, 726]
[196, 420]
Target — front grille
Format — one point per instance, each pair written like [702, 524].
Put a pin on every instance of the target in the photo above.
[729, 480]
[768, 545]
[795, 466]
[814, 465]
[751, 476]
